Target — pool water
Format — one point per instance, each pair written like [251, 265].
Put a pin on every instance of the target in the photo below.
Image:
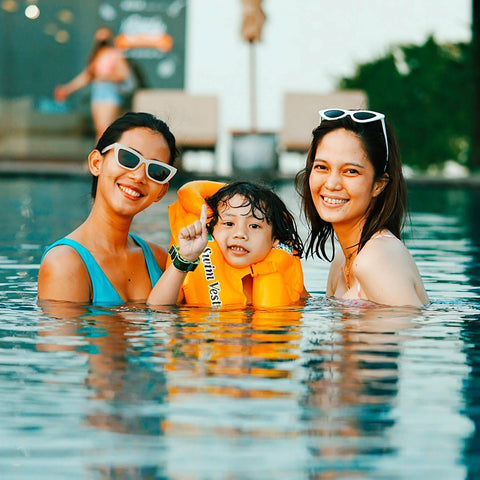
[327, 391]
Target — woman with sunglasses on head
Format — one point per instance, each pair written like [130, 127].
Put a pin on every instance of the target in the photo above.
[101, 262]
[353, 190]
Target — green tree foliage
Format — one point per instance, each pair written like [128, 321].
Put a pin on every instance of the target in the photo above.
[427, 93]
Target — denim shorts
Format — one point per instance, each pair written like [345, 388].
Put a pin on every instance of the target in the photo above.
[105, 92]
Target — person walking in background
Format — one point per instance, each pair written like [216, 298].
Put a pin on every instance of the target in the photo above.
[352, 188]
[108, 73]
[101, 262]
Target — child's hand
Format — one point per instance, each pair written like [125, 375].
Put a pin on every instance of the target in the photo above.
[193, 238]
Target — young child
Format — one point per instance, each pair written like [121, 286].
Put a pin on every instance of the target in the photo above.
[253, 252]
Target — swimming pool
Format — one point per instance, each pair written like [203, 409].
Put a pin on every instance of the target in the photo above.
[325, 391]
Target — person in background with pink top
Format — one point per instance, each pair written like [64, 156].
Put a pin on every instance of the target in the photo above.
[353, 190]
[107, 70]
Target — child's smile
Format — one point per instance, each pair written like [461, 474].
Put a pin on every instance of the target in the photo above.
[242, 238]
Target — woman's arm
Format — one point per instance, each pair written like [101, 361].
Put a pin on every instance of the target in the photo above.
[63, 276]
[62, 92]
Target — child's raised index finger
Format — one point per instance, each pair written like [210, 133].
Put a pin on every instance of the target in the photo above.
[203, 215]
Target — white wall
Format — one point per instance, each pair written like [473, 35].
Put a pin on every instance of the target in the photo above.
[307, 45]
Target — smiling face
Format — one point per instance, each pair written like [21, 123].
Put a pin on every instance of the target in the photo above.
[342, 180]
[130, 191]
[242, 238]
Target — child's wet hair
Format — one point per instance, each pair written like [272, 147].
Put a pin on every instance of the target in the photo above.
[264, 201]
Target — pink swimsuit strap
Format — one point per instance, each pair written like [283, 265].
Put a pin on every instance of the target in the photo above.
[380, 235]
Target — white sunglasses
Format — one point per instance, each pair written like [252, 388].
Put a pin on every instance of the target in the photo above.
[130, 159]
[359, 116]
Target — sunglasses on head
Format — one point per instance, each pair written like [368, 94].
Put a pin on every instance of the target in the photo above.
[157, 171]
[359, 116]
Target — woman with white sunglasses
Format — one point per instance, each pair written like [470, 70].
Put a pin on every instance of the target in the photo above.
[101, 262]
[354, 197]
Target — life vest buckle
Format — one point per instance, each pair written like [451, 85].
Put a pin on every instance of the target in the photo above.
[263, 268]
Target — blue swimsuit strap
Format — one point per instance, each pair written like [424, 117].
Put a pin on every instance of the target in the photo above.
[154, 271]
[103, 290]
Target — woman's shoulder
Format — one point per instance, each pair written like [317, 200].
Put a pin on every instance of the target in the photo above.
[62, 257]
[383, 246]
[383, 257]
[387, 272]
[63, 275]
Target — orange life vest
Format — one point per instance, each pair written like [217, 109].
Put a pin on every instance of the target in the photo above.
[277, 280]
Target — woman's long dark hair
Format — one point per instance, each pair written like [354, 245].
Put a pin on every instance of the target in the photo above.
[389, 208]
[265, 202]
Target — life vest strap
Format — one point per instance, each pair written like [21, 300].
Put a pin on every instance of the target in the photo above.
[263, 268]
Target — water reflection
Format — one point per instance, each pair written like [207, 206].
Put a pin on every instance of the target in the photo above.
[352, 369]
[235, 342]
[121, 377]
[336, 371]
[225, 357]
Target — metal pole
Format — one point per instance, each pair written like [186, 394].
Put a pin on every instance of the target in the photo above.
[253, 88]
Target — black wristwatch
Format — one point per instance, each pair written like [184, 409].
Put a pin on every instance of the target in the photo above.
[180, 263]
